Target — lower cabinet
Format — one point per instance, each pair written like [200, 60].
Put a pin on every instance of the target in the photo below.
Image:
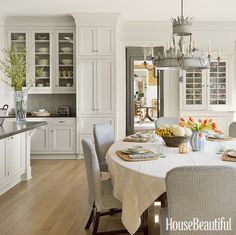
[12, 161]
[58, 137]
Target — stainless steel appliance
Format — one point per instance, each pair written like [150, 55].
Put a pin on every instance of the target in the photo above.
[64, 110]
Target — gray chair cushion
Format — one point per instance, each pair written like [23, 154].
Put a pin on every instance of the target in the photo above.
[232, 130]
[100, 192]
[104, 138]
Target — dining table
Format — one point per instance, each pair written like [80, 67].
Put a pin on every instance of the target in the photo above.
[138, 184]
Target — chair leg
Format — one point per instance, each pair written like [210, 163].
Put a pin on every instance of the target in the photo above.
[95, 228]
[145, 222]
[89, 220]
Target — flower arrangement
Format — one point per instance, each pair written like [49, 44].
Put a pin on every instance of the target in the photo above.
[200, 125]
[14, 65]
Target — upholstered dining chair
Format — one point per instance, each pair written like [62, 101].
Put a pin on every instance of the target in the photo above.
[232, 129]
[104, 138]
[100, 196]
[166, 120]
[202, 192]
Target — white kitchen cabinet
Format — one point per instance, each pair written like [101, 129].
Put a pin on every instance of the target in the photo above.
[208, 89]
[14, 155]
[3, 169]
[58, 137]
[62, 139]
[96, 86]
[40, 140]
[51, 58]
[96, 40]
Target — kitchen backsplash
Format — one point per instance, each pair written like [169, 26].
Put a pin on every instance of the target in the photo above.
[51, 102]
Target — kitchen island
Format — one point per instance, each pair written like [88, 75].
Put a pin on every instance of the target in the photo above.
[15, 153]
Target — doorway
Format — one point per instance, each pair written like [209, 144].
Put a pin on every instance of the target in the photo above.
[144, 91]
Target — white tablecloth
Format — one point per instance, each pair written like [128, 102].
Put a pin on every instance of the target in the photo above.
[138, 184]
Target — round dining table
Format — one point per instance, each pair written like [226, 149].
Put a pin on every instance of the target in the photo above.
[138, 184]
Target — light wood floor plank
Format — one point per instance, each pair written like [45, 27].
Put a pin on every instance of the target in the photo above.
[54, 202]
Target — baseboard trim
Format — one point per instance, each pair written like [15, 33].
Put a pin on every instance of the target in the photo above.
[9, 184]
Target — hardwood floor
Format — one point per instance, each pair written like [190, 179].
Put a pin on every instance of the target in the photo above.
[54, 202]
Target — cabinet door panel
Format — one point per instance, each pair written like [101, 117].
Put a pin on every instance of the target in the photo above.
[87, 40]
[62, 139]
[105, 38]
[40, 140]
[87, 86]
[14, 154]
[105, 86]
[3, 171]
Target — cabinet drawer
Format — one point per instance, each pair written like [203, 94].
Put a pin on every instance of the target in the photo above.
[63, 121]
[86, 124]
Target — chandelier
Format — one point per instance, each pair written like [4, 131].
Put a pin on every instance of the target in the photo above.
[181, 52]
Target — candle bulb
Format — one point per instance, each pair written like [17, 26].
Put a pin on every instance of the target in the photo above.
[218, 52]
[209, 49]
[152, 52]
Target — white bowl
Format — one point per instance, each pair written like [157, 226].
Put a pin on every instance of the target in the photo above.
[67, 61]
[43, 62]
[39, 85]
[41, 110]
[220, 136]
[43, 49]
[21, 37]
[66, 49]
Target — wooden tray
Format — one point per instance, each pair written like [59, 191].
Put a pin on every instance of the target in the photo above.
[226, 157]
[220, 139]
[125, 157]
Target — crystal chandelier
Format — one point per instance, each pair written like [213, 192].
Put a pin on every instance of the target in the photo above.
[181, 52]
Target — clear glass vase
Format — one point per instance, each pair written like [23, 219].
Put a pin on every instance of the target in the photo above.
[20, 106]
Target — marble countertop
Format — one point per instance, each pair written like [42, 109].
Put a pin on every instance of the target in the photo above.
[11, 128]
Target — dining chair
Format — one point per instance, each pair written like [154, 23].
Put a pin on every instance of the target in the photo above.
[100, 196]
[232, 129]
[166, 120]
[202, 192]
[104, 137]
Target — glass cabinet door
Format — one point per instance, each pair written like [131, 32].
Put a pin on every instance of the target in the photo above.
[66, 60]
[217, 88]
[42, 59]
[193, 88]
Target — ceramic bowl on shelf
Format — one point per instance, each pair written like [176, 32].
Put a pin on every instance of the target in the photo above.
[42, 37]
[39, 85]
[67, 61]
[66, 49]
[21, 37]
[43, 62]
[42, 49]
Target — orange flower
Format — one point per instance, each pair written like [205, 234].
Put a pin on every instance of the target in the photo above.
[182, 124]
[213, 125]
[191, 119]
[200, 120]
[182, 119]
[210, 120]
[205, 122]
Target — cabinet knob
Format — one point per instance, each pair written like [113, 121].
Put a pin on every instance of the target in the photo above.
[61, 121]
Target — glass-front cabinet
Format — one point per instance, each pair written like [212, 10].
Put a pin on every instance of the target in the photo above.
[42, 59]
[207, 89]
[51, 56]
[65, 61]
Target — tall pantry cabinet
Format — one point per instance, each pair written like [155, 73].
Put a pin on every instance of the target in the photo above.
[96, 72]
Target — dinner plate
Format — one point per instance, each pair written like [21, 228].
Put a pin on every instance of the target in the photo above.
[218, 137]
[232, 154]
[138, 151]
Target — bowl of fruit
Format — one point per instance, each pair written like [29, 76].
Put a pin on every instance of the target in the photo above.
[174, 135]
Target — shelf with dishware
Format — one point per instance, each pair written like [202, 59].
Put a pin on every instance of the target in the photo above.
[51, 58]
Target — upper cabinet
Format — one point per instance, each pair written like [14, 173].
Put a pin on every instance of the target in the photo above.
[96, 40]
[51, 58]
[208, 89]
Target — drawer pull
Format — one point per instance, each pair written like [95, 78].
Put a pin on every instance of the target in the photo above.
[61, 121]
